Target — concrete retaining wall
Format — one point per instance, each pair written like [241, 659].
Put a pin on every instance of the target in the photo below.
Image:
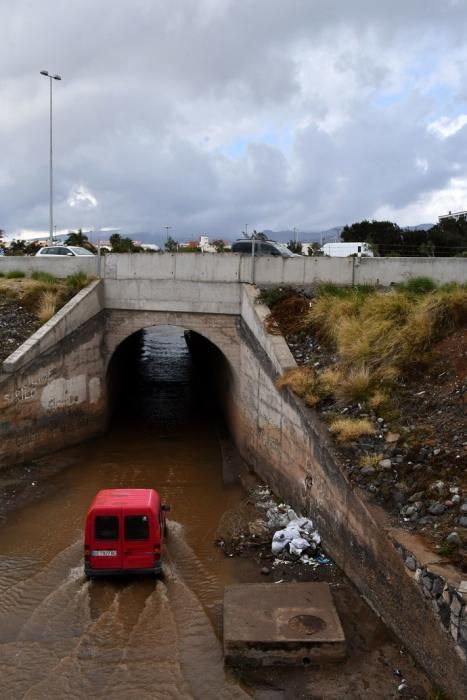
[289, 447]
[229, 268]
[57, 399]
[52, 388]
[61, 266]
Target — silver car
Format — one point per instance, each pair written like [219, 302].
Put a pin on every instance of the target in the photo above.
[54, 250]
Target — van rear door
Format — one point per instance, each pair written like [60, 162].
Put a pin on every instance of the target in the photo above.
[139, 538]
[106, 550]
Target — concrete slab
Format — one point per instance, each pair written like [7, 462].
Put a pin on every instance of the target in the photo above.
[269, 624]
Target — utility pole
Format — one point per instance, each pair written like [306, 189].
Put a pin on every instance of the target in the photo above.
[167, 228]
[51, 214]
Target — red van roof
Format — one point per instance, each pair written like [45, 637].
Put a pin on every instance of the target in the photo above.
[134, 498]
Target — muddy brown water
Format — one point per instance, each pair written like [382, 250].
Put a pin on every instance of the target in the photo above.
[62, 636]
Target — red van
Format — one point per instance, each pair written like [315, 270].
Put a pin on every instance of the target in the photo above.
[124, 533]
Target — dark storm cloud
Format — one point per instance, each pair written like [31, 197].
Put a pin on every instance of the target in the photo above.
[207, 114]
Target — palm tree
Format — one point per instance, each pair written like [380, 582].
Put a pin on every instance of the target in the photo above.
[77, 238]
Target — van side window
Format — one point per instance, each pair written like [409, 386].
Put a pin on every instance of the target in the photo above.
[106, 527]
[136, 527]
[241, 247]
[268, 249]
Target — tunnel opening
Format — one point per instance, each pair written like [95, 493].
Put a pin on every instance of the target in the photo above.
[170, 380]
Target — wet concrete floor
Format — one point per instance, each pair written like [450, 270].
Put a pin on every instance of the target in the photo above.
[64, 637]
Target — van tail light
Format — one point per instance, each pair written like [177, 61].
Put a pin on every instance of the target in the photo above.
[157, 551]
[87, 552]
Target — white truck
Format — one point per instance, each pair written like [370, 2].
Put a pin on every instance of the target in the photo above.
[343, 250]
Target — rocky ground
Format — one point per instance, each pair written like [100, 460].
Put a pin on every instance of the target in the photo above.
[17, 324]
[416, 464]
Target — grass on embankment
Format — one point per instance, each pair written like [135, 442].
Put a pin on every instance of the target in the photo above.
[42, 294]
[374, 339]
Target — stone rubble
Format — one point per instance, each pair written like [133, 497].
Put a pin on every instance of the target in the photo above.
[448, 602]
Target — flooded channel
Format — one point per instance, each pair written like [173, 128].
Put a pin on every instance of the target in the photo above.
[62, 636]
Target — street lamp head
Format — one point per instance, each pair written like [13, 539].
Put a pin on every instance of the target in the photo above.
[48, 75]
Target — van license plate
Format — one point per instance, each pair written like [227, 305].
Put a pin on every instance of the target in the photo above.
[104, 553]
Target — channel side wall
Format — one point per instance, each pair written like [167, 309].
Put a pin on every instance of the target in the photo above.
[52, 388]
[289, 447]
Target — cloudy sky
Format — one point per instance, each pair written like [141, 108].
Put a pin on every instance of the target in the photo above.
[205, 115]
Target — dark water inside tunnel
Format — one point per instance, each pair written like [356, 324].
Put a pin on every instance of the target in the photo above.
[63, 636]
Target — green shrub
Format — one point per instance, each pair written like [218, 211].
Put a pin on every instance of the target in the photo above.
[273, 295]
[77, 281]
[44, 277]
[15, 274]
[359, 291]
[418, 285]
[2, 274]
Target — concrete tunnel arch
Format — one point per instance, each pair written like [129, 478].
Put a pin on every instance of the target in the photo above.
[221, 330]
[215, 349]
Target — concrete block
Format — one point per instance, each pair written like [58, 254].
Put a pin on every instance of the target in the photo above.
[281, 624]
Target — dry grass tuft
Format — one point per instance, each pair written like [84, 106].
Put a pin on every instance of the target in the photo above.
[356, 385]
[33, 291]
[346, 385]
[379, 400]
[47, 305]
[303, 381]
[350, 429]
[370, 460]
[298, 379]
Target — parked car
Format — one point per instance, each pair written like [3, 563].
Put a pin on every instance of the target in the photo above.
[52, 251]
[244, 246]
[124, 533]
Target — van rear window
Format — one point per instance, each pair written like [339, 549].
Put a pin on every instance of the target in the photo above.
[136, 527]
[106, 527]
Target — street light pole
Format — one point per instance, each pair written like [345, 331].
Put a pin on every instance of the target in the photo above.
[51, 213]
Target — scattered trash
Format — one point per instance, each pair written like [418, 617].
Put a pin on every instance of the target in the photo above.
[291, 537]
[298, 536]
[323, 560]
[298, 531]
